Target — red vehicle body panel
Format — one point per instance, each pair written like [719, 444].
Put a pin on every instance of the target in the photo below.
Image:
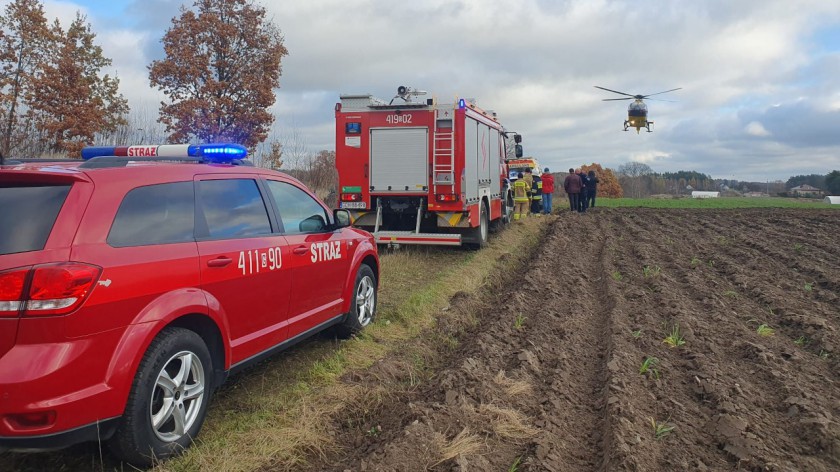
[81, 365]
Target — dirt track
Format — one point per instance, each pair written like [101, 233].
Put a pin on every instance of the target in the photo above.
[549, 377]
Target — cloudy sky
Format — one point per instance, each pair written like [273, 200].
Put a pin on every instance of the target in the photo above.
[760, 79]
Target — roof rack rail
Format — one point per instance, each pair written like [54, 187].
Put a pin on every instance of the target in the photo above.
[104, 162]
[18, 160]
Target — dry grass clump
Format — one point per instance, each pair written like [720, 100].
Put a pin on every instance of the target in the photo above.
[508, 423]
[511, 387]
[465, 443]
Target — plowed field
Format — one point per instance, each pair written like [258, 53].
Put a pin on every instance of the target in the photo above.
[549, 377]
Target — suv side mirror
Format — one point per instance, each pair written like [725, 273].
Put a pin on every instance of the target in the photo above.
[313, 224]
[518, 150]
[342, 218]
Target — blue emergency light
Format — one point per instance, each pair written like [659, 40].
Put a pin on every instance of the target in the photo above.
[215, 152]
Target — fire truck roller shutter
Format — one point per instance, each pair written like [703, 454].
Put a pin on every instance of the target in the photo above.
[399, 159]
[472, 154]
[495, 148]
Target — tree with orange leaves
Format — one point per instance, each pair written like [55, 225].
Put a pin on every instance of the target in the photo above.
[71, 101]
[24, 41]
[608, 186]
[221, 68]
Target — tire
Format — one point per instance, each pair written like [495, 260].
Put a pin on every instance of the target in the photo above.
[363, 307]
[172, 386]
[478, 236]
[507, 215]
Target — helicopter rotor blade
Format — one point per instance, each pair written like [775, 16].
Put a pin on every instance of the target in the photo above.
[658, 93]
[614, 99]
[661, 100]
[616, 91]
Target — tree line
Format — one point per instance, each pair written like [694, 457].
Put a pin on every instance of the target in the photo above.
[222, 63]
[639, 180]
[829, 183]
[54, 97]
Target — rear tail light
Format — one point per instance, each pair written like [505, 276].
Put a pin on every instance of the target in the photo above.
[54, 289]
[446, 197]
[11, 291]
[351, 197]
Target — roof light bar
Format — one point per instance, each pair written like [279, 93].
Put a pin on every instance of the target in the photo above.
[215, 152]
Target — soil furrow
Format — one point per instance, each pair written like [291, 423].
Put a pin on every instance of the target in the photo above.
[551, 377]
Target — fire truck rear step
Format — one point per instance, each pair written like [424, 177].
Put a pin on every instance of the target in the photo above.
[410, 237]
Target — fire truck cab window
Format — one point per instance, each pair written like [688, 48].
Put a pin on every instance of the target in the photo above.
[299, 213]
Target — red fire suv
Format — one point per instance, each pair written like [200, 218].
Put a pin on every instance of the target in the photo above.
[133, 284]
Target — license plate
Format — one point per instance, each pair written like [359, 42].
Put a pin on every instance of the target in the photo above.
[360, 205]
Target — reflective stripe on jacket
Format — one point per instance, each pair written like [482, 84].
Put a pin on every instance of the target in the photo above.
[520, 190]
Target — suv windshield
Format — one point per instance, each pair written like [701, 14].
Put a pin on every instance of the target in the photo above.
[27, 215]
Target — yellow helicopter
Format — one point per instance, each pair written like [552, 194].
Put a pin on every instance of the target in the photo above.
[637, 111]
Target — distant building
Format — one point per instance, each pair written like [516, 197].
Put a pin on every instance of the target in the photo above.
[699, 194]
[806, 190]
[832, 200]
[756, 194]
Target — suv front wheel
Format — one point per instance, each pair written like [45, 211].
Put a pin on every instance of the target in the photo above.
[363, 306]
[168, 399]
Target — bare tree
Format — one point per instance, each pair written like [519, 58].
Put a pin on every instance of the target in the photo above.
[634, 175]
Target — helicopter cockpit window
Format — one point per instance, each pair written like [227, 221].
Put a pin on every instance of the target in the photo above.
[637, 106]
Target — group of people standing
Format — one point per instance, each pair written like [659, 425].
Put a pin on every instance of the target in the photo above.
[581, 188]
[532, 194]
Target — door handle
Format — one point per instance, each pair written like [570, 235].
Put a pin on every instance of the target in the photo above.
[300, 250]
[219, 262]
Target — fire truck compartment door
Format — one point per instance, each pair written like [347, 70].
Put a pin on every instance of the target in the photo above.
[399, 159]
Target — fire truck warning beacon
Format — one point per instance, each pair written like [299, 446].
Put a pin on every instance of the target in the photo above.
[416, 171]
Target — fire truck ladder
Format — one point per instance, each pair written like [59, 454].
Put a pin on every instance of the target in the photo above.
[444, 159]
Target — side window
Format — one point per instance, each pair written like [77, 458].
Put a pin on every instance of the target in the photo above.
[299, 212]
[233, 208]
[155, 214]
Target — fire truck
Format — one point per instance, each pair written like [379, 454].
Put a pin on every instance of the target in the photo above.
[422, 172]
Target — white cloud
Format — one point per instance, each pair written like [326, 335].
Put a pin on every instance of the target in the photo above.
[534, 62]
[754, 128]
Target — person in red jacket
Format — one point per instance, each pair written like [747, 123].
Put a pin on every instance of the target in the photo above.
[573, 186]
[547, 189]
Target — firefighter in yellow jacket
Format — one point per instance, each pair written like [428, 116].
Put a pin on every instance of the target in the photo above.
[521, 189]
[528, 177]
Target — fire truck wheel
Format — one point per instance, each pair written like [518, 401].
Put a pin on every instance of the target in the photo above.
[363, 305]
[479, 233]
[505, 219]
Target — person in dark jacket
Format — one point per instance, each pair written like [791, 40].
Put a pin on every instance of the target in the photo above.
[572, 186]
[547, 189]
[591, 189]
[584, 184]
[536, 195]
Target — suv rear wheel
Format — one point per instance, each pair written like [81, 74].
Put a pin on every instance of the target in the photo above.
[168, 399]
